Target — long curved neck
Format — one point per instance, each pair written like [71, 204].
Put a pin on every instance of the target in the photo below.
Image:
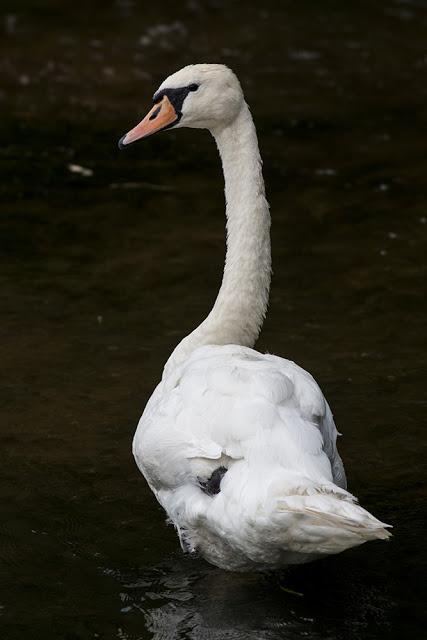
[241, 304]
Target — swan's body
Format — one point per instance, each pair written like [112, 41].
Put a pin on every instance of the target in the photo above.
[240, 447]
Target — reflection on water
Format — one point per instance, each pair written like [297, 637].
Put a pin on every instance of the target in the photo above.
[190, 600]
[107, 260]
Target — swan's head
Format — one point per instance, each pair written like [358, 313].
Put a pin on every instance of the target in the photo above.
[201, 96]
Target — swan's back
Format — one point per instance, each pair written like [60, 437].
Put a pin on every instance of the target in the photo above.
[239, 448]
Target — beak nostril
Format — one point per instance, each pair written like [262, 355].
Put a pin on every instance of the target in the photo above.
[161, 116]
[155, 114]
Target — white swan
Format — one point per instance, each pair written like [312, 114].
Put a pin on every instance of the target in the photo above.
[238, 446]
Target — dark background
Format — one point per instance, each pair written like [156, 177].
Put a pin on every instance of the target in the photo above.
[102, 274]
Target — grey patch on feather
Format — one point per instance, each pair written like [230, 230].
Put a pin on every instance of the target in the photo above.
[212, 486]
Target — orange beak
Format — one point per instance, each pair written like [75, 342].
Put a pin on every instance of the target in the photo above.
[161, 116]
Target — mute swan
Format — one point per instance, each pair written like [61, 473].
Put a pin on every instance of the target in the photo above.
[239, 447]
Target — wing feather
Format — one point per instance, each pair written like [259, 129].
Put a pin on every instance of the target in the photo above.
[231, 402]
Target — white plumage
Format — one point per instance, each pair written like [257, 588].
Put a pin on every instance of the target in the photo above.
[283, 498]
[240, 447]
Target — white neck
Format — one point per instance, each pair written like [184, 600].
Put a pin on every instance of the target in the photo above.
[241, 304]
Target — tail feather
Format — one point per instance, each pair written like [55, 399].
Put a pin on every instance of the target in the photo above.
[328, 524]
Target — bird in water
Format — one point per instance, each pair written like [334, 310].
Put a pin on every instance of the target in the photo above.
[239, 447]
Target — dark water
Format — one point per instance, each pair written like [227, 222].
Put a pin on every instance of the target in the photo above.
[101, 275]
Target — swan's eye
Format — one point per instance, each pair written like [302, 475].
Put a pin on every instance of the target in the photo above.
[193, 87]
